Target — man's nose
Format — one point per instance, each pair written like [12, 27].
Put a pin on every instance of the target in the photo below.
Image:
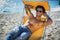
[38, 12]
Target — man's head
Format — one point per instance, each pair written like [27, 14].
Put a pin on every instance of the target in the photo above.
[40, 10]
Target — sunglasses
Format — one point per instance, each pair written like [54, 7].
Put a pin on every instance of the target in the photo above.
[39, 11]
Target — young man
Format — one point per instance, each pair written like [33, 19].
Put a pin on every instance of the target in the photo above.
[34, 23]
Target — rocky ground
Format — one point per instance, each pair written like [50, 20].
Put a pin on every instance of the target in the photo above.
[53, 31]
[9, 21]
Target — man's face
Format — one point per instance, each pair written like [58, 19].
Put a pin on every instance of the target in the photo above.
[39, 11]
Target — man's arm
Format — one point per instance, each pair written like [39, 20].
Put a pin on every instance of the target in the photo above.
[48, 22]
[28, 11]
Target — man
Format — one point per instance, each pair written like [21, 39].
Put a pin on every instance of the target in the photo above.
[34, 23]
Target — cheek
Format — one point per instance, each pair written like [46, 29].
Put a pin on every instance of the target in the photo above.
[38, 14]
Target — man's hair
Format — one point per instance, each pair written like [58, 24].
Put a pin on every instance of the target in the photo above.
[39, 6]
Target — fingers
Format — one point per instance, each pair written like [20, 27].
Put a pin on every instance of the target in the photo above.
[28, 6]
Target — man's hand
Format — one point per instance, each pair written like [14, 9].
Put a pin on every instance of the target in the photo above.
[28, 6]
[49, 21]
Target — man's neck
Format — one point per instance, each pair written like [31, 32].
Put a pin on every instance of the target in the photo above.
[38, 17]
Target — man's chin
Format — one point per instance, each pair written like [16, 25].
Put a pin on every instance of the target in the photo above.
[39, 15]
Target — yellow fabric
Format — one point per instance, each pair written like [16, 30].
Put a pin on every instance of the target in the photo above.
[25, 19]
[44, 4]
[37, 34]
